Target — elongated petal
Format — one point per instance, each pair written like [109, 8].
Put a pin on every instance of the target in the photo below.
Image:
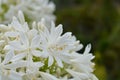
[8, 47]
[87, 49]
[56, 32]
[8, 57]
[11, 34]
[59, 30]
[52, 27]
[24, 39]
[35, 41]
[47, 76]
[32, 33]
[15, 76]
[21, 17]
[17, 64]
[50, 60]
[59, 62]
[38, 64]
[15, 45]
[25, 26]
[17, 26]
[18, 57]
[3, 27]
[37, 53]
[78, 75]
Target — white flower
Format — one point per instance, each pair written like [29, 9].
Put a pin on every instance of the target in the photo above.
[12, 30]
[26, 45]
[32, 69]
[81, 76]
[33, 10]
[82, 62]
[7, 69]
[42, 53]
[78, 76]
[47, 76]
[82, 67]
[56, 46]
[26, 41]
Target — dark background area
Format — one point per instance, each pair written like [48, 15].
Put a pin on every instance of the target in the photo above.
[96, 22]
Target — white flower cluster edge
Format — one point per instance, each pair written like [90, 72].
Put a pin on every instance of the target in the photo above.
[42, 53]
[39, 50]
[34, 10]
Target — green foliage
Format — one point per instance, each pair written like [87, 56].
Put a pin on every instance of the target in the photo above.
[4, 9]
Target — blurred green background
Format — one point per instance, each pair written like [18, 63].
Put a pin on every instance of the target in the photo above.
[96, 22]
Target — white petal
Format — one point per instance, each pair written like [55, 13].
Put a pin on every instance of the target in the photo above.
[56, 32]
[59, 62]
[8, 47]
[25, 26]
[35, 41]
[8, 56]
[11, 34]
[36, 53]
[85, 68]
[87, 49]
[24, 39]
[15, 45]
[3, 27]
[47, 76]
[52, 27]
[38, 64]
[15, 76]
[18, 57]
[66, 57]
[44, 54]
[17, 64]
[15, 23]
[59, 30]
[78, 75]
[80, 46]
[33, 32]
[50, 61]
[21, 17]
[65, 39]
[34, 25]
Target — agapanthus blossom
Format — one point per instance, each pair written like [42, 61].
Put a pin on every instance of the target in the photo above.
[42, 53]
[33, 10]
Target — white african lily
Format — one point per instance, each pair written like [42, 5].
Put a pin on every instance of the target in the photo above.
[55, 45]
[82, 62]
[26, 45]
[34, 10]
[81, 76]
[17, 24]
[7, 69]
[42, 53]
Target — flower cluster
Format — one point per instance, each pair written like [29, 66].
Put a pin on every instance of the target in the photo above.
[42, 53]
[39, 50]
[34, 10]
